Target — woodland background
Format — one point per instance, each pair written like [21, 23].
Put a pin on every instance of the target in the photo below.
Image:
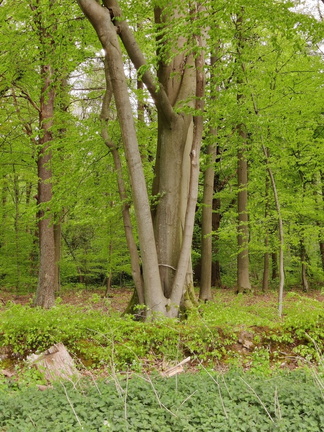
[264, 70]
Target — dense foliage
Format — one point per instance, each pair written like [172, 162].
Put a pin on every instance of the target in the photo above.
[229, 331]
[283, 403]
[278, 72]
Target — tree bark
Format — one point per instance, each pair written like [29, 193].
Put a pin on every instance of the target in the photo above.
[266, 260]
[303, 259]
[274, 265]
[216, 221]
[165, 249]
[207, 226]
[101, 21]
[281, 235]
[243, 278]
[47, 277]
[134, 256]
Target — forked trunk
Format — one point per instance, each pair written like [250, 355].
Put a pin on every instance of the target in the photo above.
[165, 242]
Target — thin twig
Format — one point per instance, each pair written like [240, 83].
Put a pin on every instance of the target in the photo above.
[71, 405]
[256, 395]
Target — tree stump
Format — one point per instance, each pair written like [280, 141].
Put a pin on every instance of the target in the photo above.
[56, 363]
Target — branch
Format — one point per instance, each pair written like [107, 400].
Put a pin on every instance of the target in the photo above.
[159, 95]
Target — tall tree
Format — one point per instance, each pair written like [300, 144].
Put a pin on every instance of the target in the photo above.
[165, 241]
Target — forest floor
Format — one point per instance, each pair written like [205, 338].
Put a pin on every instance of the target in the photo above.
[231, 330]
[120, 296]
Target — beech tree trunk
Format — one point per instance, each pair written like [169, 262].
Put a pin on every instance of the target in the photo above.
[134, 256]
[165, 241]
[303, 259]
[47, 276]
[266, 260]
[281, 234]
[216, 221]
[243, 277]
[207, 227]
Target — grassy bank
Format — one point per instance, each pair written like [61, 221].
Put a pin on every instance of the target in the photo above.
[240, 331]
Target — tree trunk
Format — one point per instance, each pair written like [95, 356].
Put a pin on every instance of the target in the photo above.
[57, 243]
[321, 239]
[266, 266]
[47, 277]
[207, 226]
[281, 234]
[243, 278]
[101, 21]
[303, 259]
[266, 261]
[216, 221]
[165, 249]
[134, 256]
[274, 265]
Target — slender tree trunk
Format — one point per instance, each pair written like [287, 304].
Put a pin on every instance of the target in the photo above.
[57, 243]
[47, 277]
[274, 265]
[243, 278]
[216, 221]
[207, 214]
[321, 239]
[281, 235]
[266, 260]
[303, 259]
[266, 266]
[101, 20]
[207, 226]
[134, 256]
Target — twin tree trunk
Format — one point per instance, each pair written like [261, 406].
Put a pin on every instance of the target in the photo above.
[164, 239]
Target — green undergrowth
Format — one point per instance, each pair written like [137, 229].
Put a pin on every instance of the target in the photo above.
[204, 401]
[234, 330]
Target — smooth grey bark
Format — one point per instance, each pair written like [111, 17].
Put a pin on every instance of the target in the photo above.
[281, 234]
[101, 21]
[181, 282]
[165, 251]
[131, 243]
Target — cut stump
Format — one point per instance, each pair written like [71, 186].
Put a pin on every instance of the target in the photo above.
[56, 363]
